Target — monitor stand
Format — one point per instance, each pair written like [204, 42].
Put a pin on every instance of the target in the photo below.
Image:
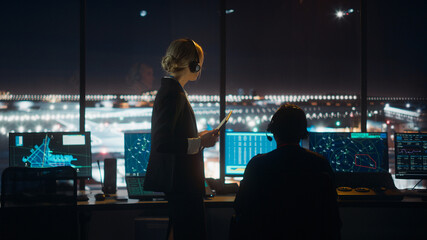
[81, 193]
[82, 184]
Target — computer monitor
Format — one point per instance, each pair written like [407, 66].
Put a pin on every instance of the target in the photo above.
[352, 152]
[52, 149]
[410, 155]
[240, 147]
[137, 153]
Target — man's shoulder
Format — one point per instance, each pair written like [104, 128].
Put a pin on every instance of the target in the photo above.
[270, 155]
[264, 159]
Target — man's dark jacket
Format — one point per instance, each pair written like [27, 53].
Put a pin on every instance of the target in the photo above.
[288, 193]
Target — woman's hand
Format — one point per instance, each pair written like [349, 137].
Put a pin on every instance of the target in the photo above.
[209, 138]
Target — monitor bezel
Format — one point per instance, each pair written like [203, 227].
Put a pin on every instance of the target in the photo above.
[87, 136]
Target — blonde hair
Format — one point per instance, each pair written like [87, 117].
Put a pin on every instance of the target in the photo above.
[179, 55]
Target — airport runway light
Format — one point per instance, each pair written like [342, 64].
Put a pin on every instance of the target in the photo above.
[341, 14]
[229, 11]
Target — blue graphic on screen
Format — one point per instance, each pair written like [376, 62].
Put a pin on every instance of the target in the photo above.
[41, 156]
[52, 149]
[137, 153]
[352, 152]
[240, 147]
[411, 155]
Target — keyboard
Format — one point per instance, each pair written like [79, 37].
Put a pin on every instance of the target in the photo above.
[82, 198]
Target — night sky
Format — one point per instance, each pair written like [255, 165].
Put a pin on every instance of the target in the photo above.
[273, 47]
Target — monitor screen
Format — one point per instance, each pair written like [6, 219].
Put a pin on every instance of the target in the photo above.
[52, 149]
[137, 153]
[240, 147]
[411, 155]
[352, 152]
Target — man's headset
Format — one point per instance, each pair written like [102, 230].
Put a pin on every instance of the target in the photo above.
[194, 64]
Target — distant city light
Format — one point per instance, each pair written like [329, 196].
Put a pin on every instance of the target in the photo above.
[228, 11]
[104, 151]
[341, 13]
[143, 13]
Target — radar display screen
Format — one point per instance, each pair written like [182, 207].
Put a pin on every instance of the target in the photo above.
[52, 149]
[411, 155]
[137, 153]
[352, 152]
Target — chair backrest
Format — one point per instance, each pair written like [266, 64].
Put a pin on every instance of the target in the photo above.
[39, 186]
[293, 206]
[307, 209]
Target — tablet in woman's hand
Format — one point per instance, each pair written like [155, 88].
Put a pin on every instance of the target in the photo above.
[225, 120]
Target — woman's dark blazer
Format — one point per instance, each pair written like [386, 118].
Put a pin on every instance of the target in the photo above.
[170, 168]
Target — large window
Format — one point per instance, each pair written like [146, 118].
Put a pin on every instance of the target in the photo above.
[397, 71]
[125, 44]
[39, 68]
[296, 52]
[304, 52]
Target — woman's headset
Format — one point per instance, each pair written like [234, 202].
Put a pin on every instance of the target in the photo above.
[194, 65]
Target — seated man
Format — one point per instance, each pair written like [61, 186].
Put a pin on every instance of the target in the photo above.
[288, 193]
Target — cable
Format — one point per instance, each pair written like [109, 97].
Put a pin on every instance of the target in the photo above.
[416, 184]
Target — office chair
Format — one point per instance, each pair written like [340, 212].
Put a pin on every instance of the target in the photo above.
[39, 203]
[298, 206]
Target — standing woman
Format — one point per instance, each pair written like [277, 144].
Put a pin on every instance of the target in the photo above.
[176, 159]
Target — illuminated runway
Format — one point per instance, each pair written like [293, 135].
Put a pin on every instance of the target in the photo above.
[107, 122]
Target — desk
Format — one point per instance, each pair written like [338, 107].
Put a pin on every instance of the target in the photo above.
[404, 219]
